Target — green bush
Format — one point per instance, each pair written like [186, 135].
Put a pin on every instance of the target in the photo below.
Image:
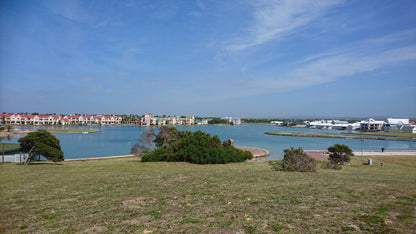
[340, 154]
[197, 147]
[295, 160]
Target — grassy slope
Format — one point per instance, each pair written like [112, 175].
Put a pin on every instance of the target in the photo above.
[8, 146]
[124, 195]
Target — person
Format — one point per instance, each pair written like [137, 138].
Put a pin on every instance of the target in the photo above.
[382, 149]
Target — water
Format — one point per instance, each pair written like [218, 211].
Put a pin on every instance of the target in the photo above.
[117, 140]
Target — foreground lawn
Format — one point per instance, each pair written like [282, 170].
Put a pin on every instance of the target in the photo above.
[125, 195]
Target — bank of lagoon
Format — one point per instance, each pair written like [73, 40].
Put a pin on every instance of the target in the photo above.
[117, 140]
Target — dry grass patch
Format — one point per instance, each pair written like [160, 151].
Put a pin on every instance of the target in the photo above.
[124, 195]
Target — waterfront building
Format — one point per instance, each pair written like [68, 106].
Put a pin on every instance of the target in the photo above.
[234, 121]
[20, 119]
[150, 120]
[372, 125]
[399, 125]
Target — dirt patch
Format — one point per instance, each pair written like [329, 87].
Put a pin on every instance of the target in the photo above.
[134, 203]
[96, 229]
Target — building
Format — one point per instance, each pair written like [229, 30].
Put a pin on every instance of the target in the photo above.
[399, 125]
[372, 125]
[150, 120]
[20, 119]
[231, 120]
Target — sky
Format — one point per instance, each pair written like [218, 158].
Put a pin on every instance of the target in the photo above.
[249, 58]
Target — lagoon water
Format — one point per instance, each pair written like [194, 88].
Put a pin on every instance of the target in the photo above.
[117, 140]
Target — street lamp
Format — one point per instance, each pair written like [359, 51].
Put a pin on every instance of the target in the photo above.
[362, 142]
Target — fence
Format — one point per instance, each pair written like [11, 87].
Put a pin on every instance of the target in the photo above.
[13, 158]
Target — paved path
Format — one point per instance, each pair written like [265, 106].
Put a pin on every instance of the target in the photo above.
[325, 154]
[257, 153]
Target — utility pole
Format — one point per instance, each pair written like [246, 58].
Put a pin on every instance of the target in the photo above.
[362, 142]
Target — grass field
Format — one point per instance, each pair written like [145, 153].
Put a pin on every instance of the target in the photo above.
[125, 195]
[71, 130]
[7, 146]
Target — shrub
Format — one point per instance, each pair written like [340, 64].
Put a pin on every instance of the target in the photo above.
[295, 160]
[197, 147]
[340, 154]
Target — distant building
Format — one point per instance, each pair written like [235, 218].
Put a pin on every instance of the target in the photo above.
[234, 121]
[18, 119]
[276, 123]
[399, 125]
[150, 120]
[372, 125]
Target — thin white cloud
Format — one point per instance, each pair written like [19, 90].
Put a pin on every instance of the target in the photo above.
[277, 19]
[329, 66]
[340, 65]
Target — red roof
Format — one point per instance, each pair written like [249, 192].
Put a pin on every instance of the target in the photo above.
[27, 116]
[44, 116]
[6, 115]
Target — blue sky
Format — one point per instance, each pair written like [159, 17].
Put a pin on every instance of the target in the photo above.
[254, 58]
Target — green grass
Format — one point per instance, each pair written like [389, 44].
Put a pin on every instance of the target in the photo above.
[125, 195]
[70, 130]
[8, 146]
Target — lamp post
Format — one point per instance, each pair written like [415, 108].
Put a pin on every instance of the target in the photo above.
[362, 142]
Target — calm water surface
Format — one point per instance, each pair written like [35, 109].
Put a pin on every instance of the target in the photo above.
[117, 140]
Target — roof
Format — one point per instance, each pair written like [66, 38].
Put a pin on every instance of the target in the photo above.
[27, 116]
[44, 116]
[397, 121]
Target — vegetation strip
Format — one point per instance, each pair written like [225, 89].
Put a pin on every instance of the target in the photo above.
[7, 147]
[327, 135]
[71, 130]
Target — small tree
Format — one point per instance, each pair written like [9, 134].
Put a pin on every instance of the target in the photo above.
[41, 142]
[340, 154]
[295, 160]
[145, 142]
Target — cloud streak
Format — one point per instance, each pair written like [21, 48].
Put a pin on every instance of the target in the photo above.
[277, 19]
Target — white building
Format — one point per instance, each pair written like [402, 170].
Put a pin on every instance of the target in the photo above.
[372, 125]
[279, 123]
[399, 125]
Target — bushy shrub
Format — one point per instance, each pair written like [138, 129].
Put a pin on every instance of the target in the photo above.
[340, 154]
[197, 147]
[295, 160]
